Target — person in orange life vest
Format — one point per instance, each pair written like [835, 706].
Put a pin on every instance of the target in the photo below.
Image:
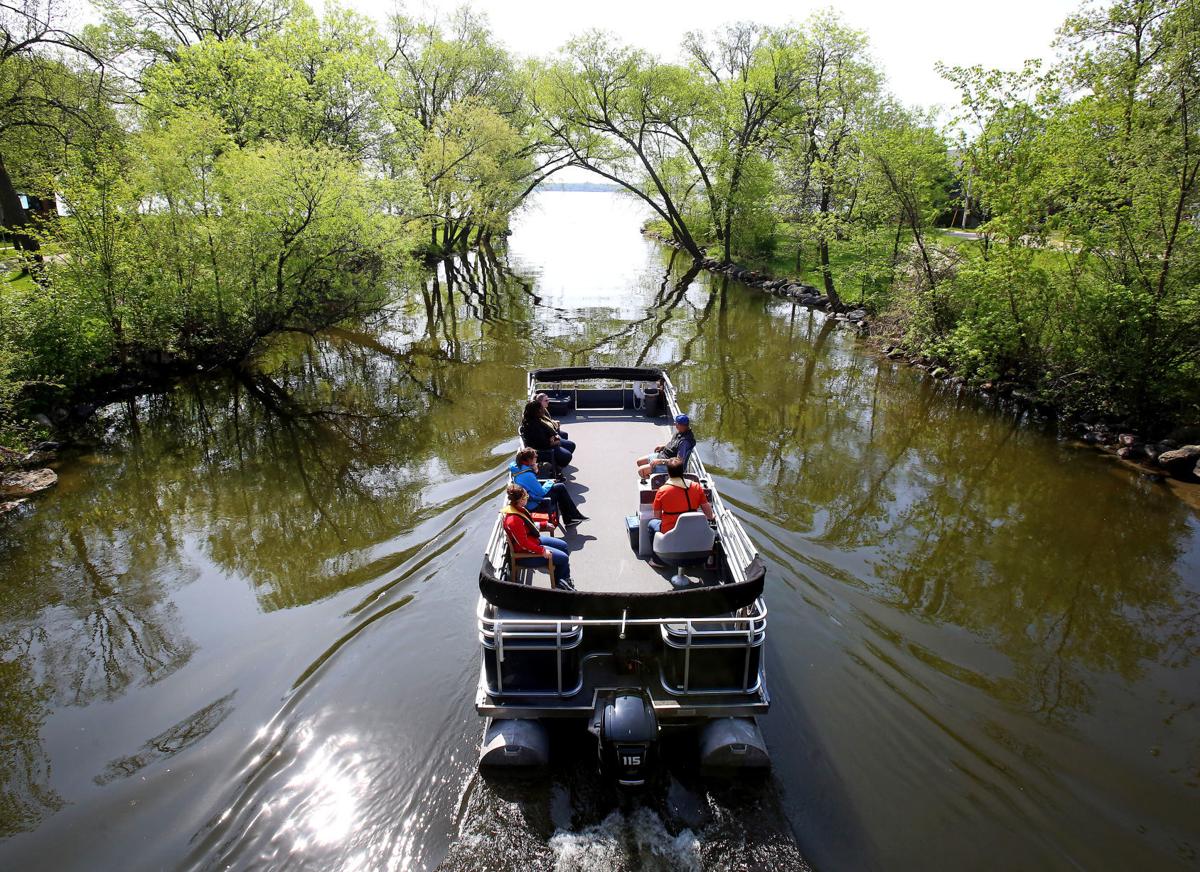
[674, 498]
[532, 546]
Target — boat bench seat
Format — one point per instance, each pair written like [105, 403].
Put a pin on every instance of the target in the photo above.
[719, 657]
[522, 657]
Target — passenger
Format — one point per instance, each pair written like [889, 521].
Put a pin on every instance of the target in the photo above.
[674, 498]
[680, 446]
[544, 399]
[539, 433]
[677, 496]
[532, 547]
[542, 498]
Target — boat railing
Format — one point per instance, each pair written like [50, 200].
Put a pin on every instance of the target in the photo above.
[745, 630]
[752, 618]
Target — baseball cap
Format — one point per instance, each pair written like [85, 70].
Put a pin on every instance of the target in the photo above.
[682, 419]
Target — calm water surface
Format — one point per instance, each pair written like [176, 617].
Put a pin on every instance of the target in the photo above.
[240, 632]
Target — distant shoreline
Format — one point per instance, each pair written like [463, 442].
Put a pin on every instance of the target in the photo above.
[590, 187]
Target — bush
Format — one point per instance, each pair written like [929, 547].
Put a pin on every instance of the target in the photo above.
[183, 248]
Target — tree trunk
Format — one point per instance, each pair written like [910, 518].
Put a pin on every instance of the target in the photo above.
[835, 301]
[13, 214]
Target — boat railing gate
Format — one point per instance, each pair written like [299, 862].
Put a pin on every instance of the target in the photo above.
[751, 626]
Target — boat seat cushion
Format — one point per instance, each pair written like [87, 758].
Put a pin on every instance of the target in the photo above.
[690, 540]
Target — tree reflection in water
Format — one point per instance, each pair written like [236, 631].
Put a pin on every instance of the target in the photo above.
[171, 741]
[301, 476]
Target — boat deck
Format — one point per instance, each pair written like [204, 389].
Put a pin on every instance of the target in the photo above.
[603, 481]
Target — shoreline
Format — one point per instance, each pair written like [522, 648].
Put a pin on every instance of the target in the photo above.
[1171, 461]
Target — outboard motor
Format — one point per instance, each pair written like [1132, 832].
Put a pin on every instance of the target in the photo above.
[625, 725]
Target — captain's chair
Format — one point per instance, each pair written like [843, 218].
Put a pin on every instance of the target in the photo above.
[689, 543]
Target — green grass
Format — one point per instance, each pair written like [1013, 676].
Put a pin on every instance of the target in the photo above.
[20, 282]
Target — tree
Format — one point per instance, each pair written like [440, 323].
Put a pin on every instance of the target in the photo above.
[1096, 160]
[912, 158]
[160, 28]
[472, 167]
[754, 75]
[185, 247]
[1125, 162]
[254, 93]
[42, 99]
[818, 143]
[618, 112]
[455, 80]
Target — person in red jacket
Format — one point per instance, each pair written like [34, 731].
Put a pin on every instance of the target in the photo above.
[531, 546]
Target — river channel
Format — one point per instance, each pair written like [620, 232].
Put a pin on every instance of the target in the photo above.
[240, 633]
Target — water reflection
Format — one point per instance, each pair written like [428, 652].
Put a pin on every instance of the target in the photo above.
[25, 792]
[171, 741]
[969, 623]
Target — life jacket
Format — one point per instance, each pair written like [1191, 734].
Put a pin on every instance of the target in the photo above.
[530, 524]
[686, 487]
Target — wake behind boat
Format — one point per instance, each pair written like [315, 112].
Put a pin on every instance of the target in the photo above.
[634, 650]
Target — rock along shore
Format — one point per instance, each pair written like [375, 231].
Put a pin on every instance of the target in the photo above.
[20, 476]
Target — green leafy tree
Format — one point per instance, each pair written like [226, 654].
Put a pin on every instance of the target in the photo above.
[159, 29]
[750, 78]
[818, 138]
[619, 113]
[46, 105]
[453, 79]
[473, 168]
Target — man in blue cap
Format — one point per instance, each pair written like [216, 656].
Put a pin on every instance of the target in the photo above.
[680, 446]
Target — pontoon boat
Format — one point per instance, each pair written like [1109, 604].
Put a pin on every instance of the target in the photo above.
[634, 650]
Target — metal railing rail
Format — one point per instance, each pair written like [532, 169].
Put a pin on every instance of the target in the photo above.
[492, 630]
[756, 620]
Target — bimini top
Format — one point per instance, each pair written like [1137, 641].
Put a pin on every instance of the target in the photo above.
[574, 373]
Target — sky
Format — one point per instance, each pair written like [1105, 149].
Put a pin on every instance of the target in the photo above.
[907, 38]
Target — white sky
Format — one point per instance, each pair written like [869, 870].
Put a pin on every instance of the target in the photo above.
[907, 38]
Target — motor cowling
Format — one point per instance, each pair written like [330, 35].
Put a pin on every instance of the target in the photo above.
[627, 730]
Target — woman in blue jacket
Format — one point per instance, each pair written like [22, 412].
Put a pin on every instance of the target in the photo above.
[543, 497]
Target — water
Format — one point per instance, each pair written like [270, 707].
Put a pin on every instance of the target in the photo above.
[239, 633]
